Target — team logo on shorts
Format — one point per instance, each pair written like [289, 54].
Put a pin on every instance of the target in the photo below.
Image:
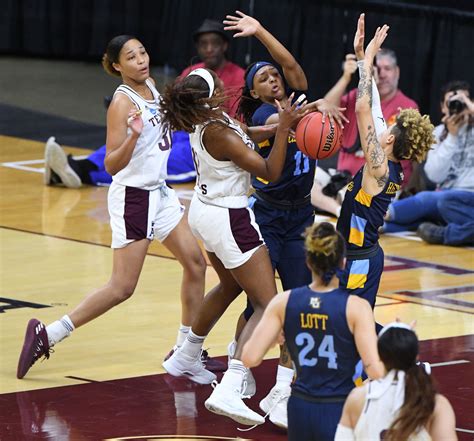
[315, 302]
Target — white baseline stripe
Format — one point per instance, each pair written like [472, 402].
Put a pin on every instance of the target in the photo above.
[464, 430]
[449, 363]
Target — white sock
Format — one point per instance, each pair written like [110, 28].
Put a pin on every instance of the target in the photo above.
[59, 330]
[234, 376]
[192, 346]
[284, 376]
[183, 332]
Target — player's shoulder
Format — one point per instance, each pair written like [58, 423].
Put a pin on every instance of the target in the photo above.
[262, 113]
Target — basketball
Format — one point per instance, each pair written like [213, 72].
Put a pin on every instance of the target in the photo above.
[317, 139]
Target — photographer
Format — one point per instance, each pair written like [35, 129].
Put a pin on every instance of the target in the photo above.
[444, 216]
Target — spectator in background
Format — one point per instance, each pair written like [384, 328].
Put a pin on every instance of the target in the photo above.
[445, 216]
[351, 156]
[212, 43]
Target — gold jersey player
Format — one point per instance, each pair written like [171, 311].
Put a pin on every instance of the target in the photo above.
[375, 184]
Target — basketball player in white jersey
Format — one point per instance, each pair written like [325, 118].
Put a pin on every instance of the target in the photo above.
[219, 215]
[141, 206]
[404, 404]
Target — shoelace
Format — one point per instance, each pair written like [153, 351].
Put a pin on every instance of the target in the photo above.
[40, 351]
[282, 396]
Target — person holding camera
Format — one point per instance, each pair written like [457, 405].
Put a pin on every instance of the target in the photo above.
[444, 216]
[386, 74]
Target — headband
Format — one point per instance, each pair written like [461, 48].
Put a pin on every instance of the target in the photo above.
[206, 76]
[394, 325]
[257, 66]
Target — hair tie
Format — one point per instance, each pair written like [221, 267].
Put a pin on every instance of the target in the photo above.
[206, 76]
[394, 325]
[253, 70]
[328, 275]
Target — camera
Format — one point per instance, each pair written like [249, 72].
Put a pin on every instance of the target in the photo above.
[456, 106]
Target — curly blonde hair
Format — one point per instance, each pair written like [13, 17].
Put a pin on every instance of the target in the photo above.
[413, 135]
[325, 249]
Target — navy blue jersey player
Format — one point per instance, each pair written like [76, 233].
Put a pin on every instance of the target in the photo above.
[374, 186]
[282, 208]
[326, 330]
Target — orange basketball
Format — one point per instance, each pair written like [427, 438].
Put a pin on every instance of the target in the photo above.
[317, 139]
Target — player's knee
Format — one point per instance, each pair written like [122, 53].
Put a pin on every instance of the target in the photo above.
[195, 266]
[444, 202]
[123, 291]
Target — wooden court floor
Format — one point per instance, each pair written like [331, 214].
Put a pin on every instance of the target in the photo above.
[106, 380]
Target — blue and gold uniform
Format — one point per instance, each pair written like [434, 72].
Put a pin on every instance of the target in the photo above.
[361, 217]
[323, 350]
[283, 208]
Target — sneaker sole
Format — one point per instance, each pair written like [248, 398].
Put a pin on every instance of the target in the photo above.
[214, 408]
[22, 370]
[47, 168]
[57, 160]
[168, 367]
[279, 423]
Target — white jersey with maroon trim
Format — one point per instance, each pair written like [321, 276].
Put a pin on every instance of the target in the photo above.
[147, 167]
[383, 400]
[220, 183]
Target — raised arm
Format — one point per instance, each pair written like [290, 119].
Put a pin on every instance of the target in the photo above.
[266, 334]
[247, 26]
[377, 161]
[225, 144]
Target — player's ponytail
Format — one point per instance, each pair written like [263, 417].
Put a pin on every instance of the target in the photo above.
[185, 103]
[398, 349]
[112, 53]
[248, 104]
[325, 250]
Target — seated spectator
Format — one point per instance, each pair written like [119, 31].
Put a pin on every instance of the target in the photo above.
[445, 216]
[351, 157]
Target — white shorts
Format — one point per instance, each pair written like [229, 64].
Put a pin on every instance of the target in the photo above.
[137, 214]
[230, 233]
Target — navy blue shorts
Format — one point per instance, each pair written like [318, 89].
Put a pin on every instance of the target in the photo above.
[311, 421]
[283, 231]
[362, 277]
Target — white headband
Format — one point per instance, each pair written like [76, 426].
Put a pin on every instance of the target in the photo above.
[394, 325]
[206, 76]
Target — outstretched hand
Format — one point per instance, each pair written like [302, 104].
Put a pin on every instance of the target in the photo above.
[291, 113]
[359, 38]
[245, 25]
[334, 112]
[376, 42]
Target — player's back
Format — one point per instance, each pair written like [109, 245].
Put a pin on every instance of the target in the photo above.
[320, 342]
[378, 414]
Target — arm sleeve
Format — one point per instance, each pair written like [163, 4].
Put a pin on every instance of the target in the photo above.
[437, 164]
[377, 115]
[344, 433]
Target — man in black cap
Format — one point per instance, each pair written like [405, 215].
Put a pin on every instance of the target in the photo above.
[211, 43]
